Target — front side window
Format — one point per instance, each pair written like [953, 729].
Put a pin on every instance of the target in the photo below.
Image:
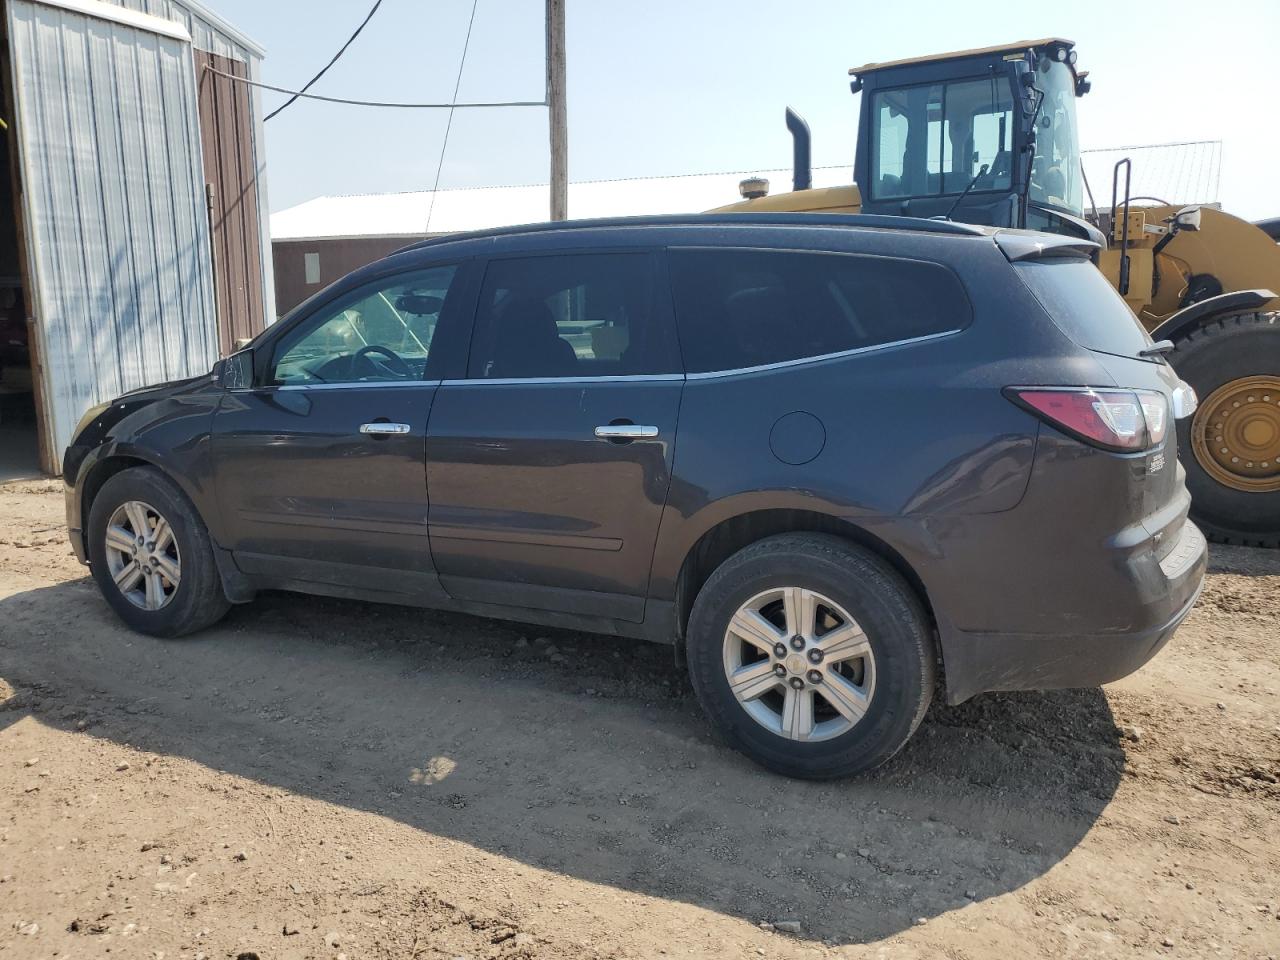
[381, 332]
[933, 140]
[747, 308]
[575, 315]
[1056, 178]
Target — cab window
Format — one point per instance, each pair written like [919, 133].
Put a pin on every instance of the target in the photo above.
[380, 332]
[932, 140]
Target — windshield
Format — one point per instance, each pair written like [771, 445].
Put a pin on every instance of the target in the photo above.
[1056, 180]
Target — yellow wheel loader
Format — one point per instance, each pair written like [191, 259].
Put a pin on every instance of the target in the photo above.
[989, 137]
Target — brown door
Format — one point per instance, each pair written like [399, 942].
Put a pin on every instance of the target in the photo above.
[231, 185]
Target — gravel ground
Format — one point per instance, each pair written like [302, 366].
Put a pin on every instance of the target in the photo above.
[317, 778]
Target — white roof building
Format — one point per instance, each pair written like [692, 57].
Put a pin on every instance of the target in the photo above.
[457, 211]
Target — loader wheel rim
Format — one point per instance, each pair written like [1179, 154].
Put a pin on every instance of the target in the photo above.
[1235, 434]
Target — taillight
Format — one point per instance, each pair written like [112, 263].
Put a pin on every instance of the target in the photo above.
[1155, 411]
[1123, 420]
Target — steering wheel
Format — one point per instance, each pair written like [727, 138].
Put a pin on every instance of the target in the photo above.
[395, 363]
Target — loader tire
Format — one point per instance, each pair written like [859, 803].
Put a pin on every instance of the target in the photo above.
[1230, 447]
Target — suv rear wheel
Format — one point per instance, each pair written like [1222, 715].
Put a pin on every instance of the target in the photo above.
[151, 555]
[811, 655]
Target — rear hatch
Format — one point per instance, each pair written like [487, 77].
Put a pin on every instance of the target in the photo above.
[1088, 310]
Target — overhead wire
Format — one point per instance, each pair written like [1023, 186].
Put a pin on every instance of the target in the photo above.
[457, 85]
[377, 103]
[324, 69]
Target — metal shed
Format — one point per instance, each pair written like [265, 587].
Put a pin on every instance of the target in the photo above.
[138, 199]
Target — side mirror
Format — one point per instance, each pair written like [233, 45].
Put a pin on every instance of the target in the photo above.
[236, 371]
[1188, 218]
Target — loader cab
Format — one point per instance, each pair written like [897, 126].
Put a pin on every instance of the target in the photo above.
[984, 136]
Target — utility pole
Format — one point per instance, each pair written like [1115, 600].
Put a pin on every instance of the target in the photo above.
[557, 114]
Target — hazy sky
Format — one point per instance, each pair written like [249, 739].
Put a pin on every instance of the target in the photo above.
[665, 87]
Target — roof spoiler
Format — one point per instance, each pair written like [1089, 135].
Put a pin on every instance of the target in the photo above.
[1036, 246]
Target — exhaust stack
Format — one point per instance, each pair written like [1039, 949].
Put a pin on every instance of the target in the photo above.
[801, 163]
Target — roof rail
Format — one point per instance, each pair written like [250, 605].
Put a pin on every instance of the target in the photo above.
[863, 220]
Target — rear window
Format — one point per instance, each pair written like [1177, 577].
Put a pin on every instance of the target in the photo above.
[1084, 305]
[745, 308]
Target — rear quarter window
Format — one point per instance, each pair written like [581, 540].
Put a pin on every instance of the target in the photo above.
[738, 308]
[1084, 305]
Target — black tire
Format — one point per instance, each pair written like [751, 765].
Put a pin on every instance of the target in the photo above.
[1225, 349]
[884, 605]
[199, 600]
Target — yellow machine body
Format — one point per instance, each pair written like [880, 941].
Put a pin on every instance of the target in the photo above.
[842, 199]
[1234, 251]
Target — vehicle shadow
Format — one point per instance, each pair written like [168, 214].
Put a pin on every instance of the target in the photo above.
[591, 759]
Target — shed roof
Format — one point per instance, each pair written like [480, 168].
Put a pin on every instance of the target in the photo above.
[457, 211]
[209, 31]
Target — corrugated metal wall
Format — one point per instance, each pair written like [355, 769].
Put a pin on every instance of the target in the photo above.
[114, 194]
[210, 34]
[226, 127]
[207, 32]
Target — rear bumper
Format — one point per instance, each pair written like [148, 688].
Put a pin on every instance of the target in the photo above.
[982, 662]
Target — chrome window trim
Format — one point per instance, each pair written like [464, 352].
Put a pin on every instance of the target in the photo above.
[352, 385]
[512, 381]
[839, 355]
[624, 378]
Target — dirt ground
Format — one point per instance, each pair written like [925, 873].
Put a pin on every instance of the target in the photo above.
[318, 778]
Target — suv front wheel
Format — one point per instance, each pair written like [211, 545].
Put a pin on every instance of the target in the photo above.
[151, 555]
[811, 655]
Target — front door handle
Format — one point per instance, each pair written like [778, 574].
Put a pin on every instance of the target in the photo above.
[626, 431]
[383, 429]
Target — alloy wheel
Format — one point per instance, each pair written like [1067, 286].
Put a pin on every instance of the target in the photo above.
[142, 555]
[799, 664]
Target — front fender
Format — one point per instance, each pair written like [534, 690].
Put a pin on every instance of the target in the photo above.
[171, 433]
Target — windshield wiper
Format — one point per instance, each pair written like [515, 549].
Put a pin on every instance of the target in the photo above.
[1157, 349]
[982, 172]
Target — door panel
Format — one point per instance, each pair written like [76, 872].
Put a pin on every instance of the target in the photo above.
[320, 468]
[529, 507]
[306, 495]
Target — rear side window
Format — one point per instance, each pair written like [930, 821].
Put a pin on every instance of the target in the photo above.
[1084, 305]
[746, 308]
[571, 315]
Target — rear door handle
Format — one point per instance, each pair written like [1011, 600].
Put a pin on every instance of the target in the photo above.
[626, 431]
[381, 428]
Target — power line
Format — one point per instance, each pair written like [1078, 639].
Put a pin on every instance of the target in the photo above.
[378, 103]
[457, 84]
[350, 40]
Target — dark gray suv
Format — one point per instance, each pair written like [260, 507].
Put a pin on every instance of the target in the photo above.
[832, 459]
